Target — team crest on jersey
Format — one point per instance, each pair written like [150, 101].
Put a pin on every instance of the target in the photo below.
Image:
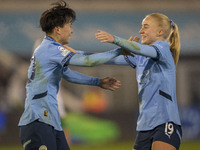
[45, 113]
[43, 147]
[60, 48]
[64, 50]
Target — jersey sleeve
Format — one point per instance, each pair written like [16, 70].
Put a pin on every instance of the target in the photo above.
[123, 60]
[79, 78]
[88, 59]
[59, 54]
[119, 60]
[136, 48]
[132, 61]
[163, 50]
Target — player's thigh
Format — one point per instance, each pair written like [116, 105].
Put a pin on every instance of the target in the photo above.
[167, 136]
[143, 140]
[159, 145]
[61, 141]
[38, 135]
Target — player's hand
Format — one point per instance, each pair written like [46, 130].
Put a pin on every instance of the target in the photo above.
[104, 37]
[69, 48]
[136, 39]
[124, 52]
[109, 83]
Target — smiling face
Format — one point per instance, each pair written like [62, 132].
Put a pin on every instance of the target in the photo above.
[150, 31]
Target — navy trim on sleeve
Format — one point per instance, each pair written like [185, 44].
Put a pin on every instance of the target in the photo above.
[129, 62]
[158, 52]
[65, 61]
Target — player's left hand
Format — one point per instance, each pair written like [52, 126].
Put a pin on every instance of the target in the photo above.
[109, 83]
[135, 38]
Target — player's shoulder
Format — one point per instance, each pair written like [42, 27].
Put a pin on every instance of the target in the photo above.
[161, 44]
[56, 48]
[164, 54]
[48, 45]
[162, 48]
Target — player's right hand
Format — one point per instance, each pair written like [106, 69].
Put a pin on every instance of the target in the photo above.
[104, 37]
[109, 83]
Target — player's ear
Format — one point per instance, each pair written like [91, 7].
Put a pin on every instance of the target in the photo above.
[161, 32]
[57, 30]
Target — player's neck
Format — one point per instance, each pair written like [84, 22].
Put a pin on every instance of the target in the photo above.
[55, 37]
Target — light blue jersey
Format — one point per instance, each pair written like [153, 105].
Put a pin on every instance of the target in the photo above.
[156, 79]
[48, 65]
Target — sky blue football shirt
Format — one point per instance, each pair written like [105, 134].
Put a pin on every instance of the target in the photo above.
[156, 79]
[48, 66]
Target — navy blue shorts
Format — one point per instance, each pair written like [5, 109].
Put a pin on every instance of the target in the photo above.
[169, 133]
[41, 136]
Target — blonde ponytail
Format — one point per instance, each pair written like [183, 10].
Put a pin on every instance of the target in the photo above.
[174, 43]
[171, 33]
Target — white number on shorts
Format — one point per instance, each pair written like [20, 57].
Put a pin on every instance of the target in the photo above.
[169, 129]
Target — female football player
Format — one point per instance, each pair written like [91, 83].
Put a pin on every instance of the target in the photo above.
[155, 60]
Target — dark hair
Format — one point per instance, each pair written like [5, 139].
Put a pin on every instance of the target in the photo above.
[56, 16]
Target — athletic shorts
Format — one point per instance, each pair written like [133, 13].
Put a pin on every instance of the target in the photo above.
[169, 133]
[41, 136]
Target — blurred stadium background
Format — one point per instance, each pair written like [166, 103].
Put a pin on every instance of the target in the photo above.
[94, 118]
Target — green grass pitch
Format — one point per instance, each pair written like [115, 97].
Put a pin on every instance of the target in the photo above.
[115, 146]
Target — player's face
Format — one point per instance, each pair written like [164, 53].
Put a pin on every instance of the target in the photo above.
[149, 31]
[65, 33]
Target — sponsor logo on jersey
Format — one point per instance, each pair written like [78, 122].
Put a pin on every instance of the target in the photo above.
[65, 52]
[159, 45]
[43, 147]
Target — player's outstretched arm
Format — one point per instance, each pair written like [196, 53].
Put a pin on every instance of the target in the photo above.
[93, 59]
[128, 45]
[79, 78]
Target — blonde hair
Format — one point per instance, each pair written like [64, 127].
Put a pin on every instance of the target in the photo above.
[171, 33]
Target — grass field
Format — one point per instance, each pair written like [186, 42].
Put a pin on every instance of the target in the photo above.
[116, 146]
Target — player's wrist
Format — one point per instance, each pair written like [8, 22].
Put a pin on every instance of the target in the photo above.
[99, 82]
[116, 39]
